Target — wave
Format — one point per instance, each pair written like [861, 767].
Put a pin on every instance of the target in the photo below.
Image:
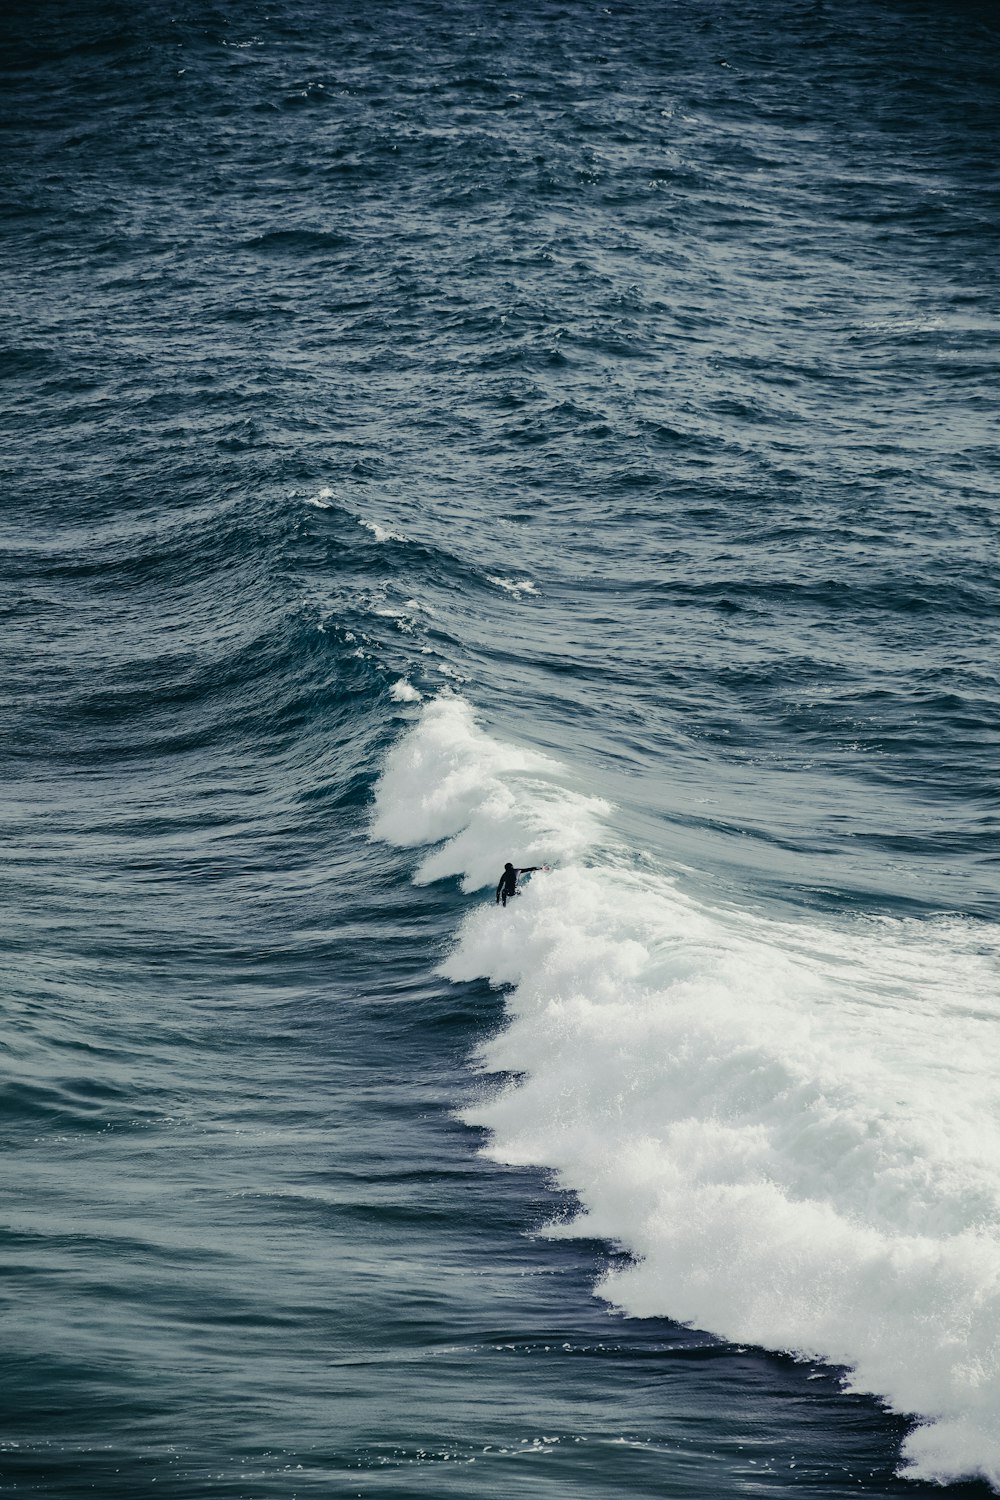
[792, 1127]
[296, 242]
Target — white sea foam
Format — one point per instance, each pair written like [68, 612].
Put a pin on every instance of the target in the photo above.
[481, 800]
[404, 692]
[794, 1127]
[515, 586]
[381, 533]
[323, 499]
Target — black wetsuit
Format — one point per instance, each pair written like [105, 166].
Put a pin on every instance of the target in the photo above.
[508, 881]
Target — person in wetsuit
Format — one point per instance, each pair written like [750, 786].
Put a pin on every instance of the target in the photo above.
[508, 880]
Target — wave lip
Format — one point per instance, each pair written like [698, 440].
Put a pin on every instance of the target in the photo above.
[793, 1128]
[481, 800]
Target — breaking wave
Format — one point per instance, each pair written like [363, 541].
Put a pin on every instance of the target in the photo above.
[791, 1125]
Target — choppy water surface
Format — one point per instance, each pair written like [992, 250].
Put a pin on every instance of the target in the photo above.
[452, 434]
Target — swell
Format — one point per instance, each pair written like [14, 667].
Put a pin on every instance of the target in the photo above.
[177, 723]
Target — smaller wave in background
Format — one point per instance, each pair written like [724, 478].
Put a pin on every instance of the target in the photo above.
[786, 1124]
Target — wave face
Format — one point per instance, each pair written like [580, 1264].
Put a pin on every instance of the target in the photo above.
[792, 1128]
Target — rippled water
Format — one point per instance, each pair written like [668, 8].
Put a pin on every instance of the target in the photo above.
[448, 434]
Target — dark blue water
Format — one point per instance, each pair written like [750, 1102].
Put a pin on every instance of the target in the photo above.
[406, 394]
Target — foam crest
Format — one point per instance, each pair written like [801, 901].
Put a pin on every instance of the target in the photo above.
[379, 532]
[794, 1128]
[516, 586]
[482, 801]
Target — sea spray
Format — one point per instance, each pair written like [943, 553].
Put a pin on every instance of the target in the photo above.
[483, 801]
[791, 1126]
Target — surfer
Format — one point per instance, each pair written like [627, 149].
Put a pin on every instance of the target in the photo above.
[508, 880]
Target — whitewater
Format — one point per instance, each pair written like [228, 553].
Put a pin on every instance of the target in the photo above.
[791, 1126]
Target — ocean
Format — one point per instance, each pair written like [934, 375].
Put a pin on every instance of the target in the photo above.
[444, 434]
